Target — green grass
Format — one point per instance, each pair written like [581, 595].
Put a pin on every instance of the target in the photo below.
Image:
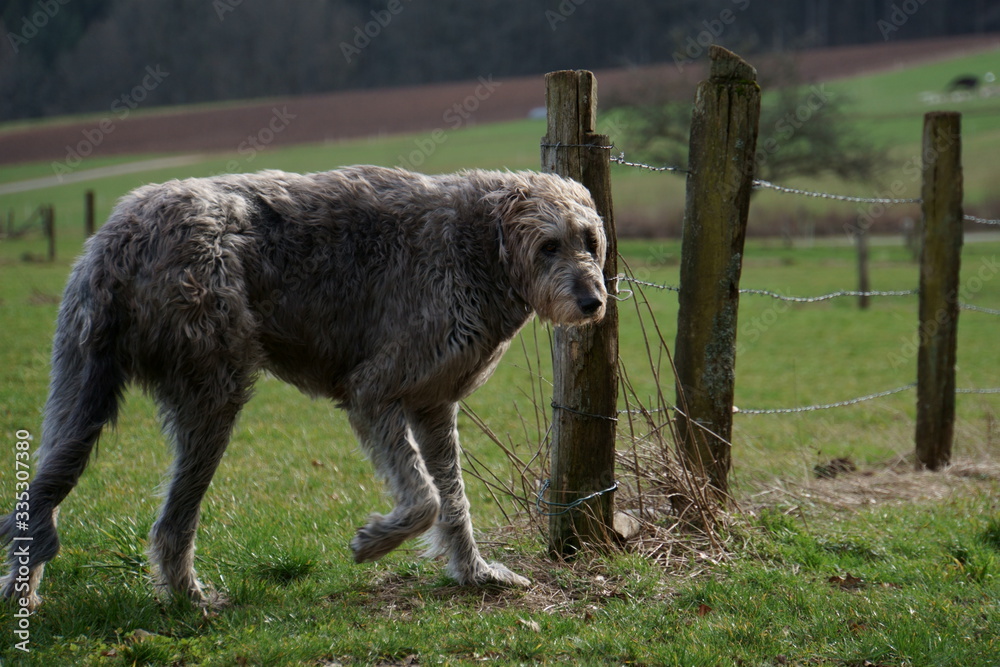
[918, 581]
[293, 488]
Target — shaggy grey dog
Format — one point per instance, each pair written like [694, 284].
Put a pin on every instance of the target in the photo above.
[393, 293]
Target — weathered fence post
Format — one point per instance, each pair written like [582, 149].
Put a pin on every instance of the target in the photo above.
[864, 280]
[88, 214]
[49, 227]
[585, 359]
[940, 261]
[721, 159]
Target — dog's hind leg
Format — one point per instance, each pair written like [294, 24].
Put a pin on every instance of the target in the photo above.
[389, 443]
[85, 389]
[200, 424]
[436, 432]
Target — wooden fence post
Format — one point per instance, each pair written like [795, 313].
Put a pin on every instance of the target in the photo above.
[940, 261]
[585, 359]
[864, 280]
[88, 214]
[721, 159]
[49, 225]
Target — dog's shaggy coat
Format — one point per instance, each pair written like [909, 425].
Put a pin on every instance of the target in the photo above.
[393, 293]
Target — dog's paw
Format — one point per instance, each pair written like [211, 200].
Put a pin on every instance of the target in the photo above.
[212, 600]
[13, 593]
[386, 532]
[488, 574]
[374, 540]
[14, 598]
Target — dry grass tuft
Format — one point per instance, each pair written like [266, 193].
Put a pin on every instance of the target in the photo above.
[664, 512]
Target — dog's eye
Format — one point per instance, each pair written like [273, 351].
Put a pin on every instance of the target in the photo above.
[592, 245]
[550, 248]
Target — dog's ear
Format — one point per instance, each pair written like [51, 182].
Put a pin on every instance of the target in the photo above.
[508, 203]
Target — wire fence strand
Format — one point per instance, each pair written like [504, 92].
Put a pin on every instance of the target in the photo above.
[565, 508]
[768, 185]
[979, 309]
[812, 299]
[620, 159]
[827, 297]
[782, 297]
[818, 406]
[981, 221]
[852, 401]
[761, 184]
[622, 278]
[825, 406]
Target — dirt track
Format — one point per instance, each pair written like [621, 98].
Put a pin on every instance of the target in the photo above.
[353, 114]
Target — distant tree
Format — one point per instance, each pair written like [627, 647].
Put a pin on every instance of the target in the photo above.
[804, 131]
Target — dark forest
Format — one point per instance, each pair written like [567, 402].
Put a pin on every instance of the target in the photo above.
[70, 56]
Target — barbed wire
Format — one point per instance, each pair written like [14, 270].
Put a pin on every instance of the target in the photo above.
[825, 406]
[762, 184]
[853, 401]
[782, 297]
[560, 144]
[565, 507]
[981, 221]
[556, 406]
[812, 299]
[818, 406]
[620, 159]
[827, 297]
[645, 283]
[979, 309]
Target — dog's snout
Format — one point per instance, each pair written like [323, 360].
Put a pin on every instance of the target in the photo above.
[590, 304]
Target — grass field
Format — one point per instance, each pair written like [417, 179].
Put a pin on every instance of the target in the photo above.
[293, 488]
[882, 567]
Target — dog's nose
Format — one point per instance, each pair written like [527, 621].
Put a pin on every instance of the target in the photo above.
[590, 305]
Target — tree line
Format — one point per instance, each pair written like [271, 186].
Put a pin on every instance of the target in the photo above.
[70, 56]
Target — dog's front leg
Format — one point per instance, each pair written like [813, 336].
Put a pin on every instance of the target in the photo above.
[386, 439]
[436, 433]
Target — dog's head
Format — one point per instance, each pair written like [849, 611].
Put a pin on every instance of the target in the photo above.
[553, 244]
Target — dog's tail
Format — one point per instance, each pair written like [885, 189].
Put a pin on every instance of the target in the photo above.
[86, 386]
